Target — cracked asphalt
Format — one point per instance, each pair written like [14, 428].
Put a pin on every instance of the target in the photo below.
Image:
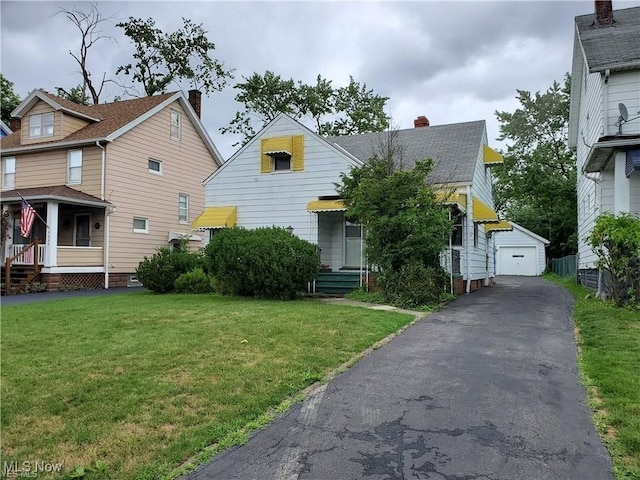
[487, 388]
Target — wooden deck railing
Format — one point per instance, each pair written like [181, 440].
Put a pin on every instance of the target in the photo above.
[21, 254]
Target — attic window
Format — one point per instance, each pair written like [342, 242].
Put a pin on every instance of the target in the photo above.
[281, 161]
[41, 125]
[176, 123]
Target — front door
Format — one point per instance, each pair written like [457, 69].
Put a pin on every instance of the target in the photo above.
[353, 254]
[82, 237]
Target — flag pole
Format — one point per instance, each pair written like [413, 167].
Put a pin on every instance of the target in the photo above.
[35, 211]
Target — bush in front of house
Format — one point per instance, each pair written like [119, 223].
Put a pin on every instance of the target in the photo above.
[195, 281]
[414, 285]
[160, 272]
[266, 262]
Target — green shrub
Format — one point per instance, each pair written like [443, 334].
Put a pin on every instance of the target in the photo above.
[414, 285]
[195, 281]
[266, 262]
[160, 272]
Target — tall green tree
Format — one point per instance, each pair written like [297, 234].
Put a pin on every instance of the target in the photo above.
[332, 111]
[10, 100]
[162, 58]
[536, 187]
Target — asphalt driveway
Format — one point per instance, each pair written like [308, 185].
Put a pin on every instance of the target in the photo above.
[484, 389]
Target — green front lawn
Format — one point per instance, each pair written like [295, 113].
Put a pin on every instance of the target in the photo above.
[131, 386]
[609, 361]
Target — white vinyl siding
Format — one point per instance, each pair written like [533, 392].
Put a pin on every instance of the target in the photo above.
[74, 167]
[8, 173]
[280, 200]
[519, 242]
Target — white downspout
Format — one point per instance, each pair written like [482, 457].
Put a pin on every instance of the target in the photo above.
[469, 233]
[107, 213]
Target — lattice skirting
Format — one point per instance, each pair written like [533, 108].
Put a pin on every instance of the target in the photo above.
[73, 281]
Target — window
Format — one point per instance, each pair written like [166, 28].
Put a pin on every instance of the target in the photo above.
[281, 162]
[175, 125]
[155, 166]
[183, 208]
[456, 235]
[475, 235]
[8, 172]
[41, 125]
[140, 225]
[74, 167]
[282, 154]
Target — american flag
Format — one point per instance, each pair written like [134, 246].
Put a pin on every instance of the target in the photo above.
[27, 216]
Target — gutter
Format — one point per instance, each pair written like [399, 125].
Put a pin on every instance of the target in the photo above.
[52, 146]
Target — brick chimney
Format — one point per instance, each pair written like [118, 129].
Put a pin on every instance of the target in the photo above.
[604, 12]
[195, 99]
[15, 123]
[421, 121]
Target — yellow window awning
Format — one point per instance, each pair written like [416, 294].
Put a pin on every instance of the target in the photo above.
[491, 157]
[326, 206]
[502, 226]
[452, 198]
[216, 217]
[482, 213]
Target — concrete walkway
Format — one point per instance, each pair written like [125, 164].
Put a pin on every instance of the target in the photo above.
[487, 388]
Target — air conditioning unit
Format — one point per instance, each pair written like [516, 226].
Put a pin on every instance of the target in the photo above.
[633, 162]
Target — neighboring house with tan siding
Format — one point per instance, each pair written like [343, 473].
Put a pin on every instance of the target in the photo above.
[113, 182]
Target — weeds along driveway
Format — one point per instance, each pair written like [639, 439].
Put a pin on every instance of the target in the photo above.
[487, 388]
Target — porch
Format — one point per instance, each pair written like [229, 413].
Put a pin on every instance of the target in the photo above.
[67, 237]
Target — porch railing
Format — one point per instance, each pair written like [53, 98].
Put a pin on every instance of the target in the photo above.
[28, 252]
[24, 254]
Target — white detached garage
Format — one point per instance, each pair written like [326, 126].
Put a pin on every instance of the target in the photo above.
[520, 252]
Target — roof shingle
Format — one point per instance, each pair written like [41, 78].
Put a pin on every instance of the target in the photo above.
[454, 148]
[113, 116]
[609, 46]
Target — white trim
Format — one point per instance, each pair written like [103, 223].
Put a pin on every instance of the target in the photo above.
[72, 270]
[530, 233]
[36, 95]
[4, 172]
[140, 230]
[159, 162]
[69, 166]
[58, 198]
[6, 128]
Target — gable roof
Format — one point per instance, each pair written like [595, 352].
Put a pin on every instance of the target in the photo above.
[109, 120]
[611, 46]
[454, 148]
[349, 157]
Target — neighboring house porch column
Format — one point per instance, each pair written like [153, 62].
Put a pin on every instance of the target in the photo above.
[5, 242]
[620, 185]
[51, 257]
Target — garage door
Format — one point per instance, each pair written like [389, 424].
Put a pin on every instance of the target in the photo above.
[518, 261]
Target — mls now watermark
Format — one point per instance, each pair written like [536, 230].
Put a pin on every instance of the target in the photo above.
[29, 468]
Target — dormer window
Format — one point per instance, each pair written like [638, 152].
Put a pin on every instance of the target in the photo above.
[41, 125]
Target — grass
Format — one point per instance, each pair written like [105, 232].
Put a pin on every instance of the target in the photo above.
[609, 362]
[131, 386]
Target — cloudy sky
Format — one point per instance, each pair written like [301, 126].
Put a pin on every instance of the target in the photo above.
[452, 61]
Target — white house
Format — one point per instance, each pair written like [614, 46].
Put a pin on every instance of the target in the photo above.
[604, 121]
[286, 175]
[519, 251]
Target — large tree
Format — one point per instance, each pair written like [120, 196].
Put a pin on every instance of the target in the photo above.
[162, 58]
[331, 111]
[10, 99]
[536, 187]
[88, 22]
